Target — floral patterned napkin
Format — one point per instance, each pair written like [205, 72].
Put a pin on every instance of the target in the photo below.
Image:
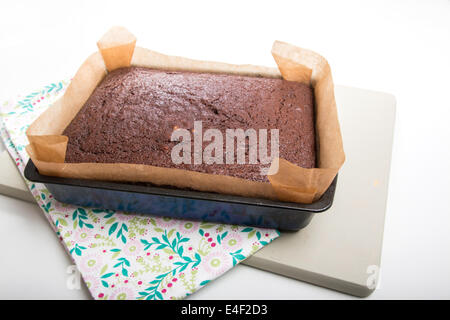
[124, 255]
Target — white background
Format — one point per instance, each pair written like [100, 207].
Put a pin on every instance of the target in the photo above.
[401, 47]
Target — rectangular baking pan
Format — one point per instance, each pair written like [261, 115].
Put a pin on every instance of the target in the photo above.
[184, 204]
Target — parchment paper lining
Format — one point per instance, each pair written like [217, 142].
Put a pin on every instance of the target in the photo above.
[290, 183]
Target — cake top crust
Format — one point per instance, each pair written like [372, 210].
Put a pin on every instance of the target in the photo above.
[130, 117]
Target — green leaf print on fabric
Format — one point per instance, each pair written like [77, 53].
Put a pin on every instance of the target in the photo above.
[182, 263]
[80, 218]
[121, 231]
[78, 250]
[237, 256]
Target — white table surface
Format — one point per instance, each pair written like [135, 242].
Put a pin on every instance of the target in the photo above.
[399, 47]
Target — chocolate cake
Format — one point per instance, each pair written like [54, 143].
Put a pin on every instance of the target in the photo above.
[130, 116]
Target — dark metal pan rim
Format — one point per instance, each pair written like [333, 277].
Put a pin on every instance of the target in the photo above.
[324, 203]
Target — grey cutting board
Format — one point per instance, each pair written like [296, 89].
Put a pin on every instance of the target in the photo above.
[11, 182]
[341, 248]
